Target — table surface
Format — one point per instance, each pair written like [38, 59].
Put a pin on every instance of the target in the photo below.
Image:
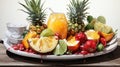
[9, 59]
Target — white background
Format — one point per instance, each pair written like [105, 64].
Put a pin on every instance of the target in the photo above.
[9, 11]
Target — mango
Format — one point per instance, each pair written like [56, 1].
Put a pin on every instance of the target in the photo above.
[30, 34]
[108, 37]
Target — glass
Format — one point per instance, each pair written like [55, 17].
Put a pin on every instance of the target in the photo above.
[57, 22]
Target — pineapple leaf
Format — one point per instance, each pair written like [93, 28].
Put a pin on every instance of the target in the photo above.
[25, 7]
[35, 10]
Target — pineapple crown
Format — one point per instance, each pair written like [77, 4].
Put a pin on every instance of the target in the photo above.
[34, 8]
[77, 11]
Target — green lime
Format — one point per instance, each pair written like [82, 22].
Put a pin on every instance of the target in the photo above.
[102, 27]
[91, 24]
[47, 32]
[100, 47]
[102, 19]
[89, 18]
[61, 48]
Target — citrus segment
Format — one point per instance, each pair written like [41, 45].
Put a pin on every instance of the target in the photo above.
[92, 35]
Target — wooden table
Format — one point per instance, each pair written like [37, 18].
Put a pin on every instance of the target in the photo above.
[9, 59]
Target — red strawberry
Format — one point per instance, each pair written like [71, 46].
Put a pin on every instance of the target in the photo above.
[103, 41]
[90, 46]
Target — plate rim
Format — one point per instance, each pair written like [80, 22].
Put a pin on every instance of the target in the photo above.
[108, 49]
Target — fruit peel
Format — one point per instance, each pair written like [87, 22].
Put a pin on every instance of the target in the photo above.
[108, 37]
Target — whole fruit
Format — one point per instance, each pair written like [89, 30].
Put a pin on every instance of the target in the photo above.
[89, 18]
[103, 41]
[102, 19]
[81, 37]
[100, 47]
[90, 46]
[84, 52]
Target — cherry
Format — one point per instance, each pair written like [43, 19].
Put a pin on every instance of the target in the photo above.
[84, 52]
[15, 47]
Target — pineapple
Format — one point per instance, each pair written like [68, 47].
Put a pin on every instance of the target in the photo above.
[37, 15]
[76, 14]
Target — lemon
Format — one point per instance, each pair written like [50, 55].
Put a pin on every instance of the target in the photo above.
[43, 44]
[61, 48]
[47, 32]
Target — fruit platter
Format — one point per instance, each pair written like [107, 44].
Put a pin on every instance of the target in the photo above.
[63, 37]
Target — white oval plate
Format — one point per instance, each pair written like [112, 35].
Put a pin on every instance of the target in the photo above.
[112, 46]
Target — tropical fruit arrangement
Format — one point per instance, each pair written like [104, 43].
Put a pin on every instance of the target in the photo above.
[61, 36]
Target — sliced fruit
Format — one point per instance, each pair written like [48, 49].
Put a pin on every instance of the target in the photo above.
[102, 27]
[44, 44]
[100, 47]
[102, 19]
[92, 35]
[73, 44]
[58, 24]
[108, 37]
[47, 32]
[61, 48]
[30, 34]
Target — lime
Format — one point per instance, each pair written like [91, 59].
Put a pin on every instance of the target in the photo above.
[61, 48]
[89, 18]
[47, 32]
[102, 27]
[102, 19]
[100, 47]
[91, 24]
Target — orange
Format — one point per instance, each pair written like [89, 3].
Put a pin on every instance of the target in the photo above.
[30, 34]
[108, 37]
[58, 24]
[92, 35]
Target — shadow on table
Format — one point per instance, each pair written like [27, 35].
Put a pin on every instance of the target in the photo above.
[107, 57]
